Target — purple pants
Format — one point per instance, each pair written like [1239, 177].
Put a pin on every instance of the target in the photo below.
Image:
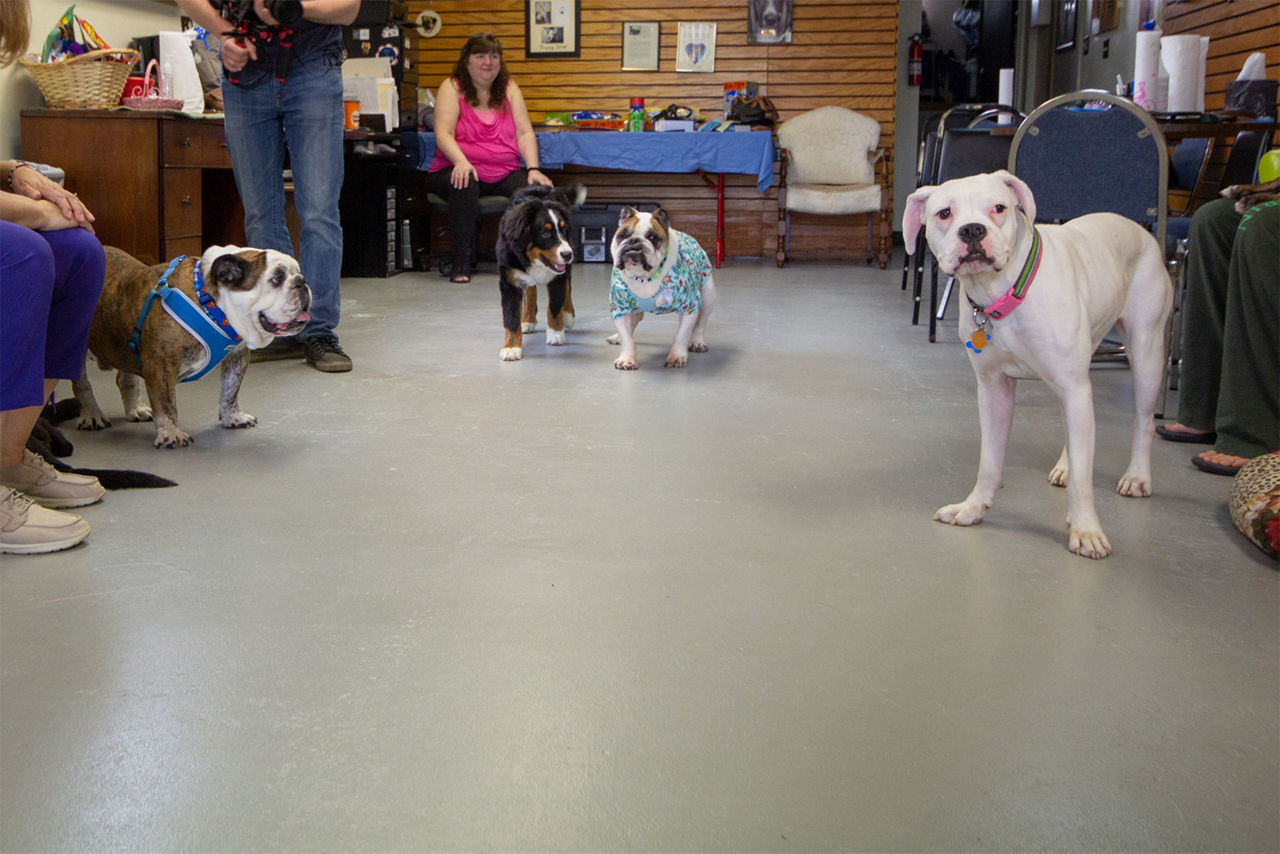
[49, 287]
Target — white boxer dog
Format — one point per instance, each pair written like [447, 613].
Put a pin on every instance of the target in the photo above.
[1037, 300]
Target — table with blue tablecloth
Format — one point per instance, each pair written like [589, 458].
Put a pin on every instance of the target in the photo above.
[706, 153]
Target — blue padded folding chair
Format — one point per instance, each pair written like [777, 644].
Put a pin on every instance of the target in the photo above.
[1091, 151]
[1080, 160]
[1241, 168]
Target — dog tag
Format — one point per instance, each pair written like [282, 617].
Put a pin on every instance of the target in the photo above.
[977, 341]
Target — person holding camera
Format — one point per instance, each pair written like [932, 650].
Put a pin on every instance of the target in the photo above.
[282, 81]
[483, 131]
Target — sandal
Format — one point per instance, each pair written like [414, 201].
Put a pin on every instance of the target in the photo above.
[460, 279]
[1193, 437]
[1215, 468]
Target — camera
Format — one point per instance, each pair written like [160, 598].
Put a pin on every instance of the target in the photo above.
[240, 13]
[287, 12]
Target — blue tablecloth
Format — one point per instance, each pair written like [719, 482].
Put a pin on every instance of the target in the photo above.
[746, 153]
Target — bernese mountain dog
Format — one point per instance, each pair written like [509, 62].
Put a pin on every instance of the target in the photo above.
[535, 248]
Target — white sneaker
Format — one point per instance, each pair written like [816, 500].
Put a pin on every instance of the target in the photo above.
[47, 486]
[27, 528]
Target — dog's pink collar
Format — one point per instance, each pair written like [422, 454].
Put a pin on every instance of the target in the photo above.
[1013, 297]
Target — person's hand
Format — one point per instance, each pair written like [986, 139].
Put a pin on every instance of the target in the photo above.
[33, 184]
[235, 55]
[462, 175]
[536, 177]
[49, 217]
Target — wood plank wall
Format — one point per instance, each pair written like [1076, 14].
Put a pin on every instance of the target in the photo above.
[842, 53]
[1236, 28]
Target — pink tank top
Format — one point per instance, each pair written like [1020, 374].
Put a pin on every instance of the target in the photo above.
[490, 146]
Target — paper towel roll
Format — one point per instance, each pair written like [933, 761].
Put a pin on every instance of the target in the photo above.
[175, 55]
[1146, 67]
[1006, 94]
[1184, 58]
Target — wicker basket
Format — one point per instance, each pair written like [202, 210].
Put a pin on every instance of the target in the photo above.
[92, 81]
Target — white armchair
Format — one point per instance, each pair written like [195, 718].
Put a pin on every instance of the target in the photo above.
[830, 164]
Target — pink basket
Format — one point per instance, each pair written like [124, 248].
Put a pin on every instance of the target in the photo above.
[151, 100]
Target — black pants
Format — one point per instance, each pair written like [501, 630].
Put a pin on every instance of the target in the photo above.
[464, 209]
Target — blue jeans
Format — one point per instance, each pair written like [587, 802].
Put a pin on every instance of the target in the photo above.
[305, 110]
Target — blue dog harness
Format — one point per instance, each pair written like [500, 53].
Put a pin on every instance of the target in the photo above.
[204, 321]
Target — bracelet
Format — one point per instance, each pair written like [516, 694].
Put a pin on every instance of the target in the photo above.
[8, 181]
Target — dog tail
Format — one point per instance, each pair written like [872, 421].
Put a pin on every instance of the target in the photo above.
[119, 478]
[574, 195]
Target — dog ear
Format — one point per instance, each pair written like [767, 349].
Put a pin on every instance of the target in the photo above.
[1021, 192]
[663, 220]
[229, 271]
[626, 214]
[913, 216]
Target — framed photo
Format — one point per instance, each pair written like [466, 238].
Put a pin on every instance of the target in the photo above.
[696, 47]
[552, 27]
[640, 45]
[769, 21]
[1064, 29]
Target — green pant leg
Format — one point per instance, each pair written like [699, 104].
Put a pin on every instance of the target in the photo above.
[1248, 414]
[1213, 232]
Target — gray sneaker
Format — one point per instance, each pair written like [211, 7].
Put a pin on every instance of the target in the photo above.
[27, 528]
[49, 487]
[324, 354]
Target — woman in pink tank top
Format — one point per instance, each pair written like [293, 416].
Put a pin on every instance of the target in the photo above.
[483, 132]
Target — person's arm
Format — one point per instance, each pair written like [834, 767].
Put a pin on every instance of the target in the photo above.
[526, 140]
[36, 214]
[235, 55]
[23, 179]
[446, 123]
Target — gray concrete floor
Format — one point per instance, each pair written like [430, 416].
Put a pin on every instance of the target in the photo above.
[444, 602]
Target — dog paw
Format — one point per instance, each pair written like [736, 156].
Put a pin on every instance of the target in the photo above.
[511, 354]
[172, 438]
[555, 338]
[237, 420]
[676, 361]
[140, 413]
[1090, 544]
[567, 317]
[698, 347]
[96, 421]
[527, 327]
[959, 514]
[615, 338]
[626, 363]
[1058, 476]
[1134, 486]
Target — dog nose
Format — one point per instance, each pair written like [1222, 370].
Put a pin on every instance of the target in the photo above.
[972, 232]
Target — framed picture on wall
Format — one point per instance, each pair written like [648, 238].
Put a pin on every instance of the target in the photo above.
[552, 27]
[696, 47]
[1064, 30]
[769, 21]
[640, 41]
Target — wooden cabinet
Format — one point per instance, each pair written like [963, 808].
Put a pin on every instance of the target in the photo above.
[159, 184]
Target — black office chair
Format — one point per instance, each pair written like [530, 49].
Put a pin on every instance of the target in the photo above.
[956, 116]
[963, 152]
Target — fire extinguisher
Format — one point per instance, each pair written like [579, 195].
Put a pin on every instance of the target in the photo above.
[915, 60]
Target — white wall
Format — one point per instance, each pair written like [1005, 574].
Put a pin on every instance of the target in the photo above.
[907, 112]
[1097, 72]
[117, 21]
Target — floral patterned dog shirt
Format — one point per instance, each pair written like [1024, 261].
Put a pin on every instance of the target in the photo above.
[681, 288]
